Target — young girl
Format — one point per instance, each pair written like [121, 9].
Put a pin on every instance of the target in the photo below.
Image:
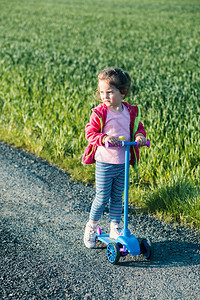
[109, 120]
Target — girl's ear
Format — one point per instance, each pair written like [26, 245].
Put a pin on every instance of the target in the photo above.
[97, 96]
[123, 93]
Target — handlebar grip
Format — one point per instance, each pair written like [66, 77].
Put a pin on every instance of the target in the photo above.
[109, 145]
[148, 143]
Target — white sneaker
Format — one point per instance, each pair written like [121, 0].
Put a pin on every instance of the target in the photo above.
[90, 235]
[115, 230]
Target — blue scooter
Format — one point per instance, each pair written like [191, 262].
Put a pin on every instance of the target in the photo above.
[126, 243]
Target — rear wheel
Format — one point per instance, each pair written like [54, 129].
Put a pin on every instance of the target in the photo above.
[99, 231]
[113, 253]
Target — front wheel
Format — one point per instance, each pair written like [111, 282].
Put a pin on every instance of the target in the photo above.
[113, 253]
[146, 248]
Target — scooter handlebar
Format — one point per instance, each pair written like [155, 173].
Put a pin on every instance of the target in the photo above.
[123, 143]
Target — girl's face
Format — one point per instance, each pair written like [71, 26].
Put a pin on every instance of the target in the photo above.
[110, 95]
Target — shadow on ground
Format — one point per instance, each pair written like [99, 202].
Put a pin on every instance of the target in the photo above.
[166, 253]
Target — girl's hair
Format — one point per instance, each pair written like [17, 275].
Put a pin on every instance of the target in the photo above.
[118, 78]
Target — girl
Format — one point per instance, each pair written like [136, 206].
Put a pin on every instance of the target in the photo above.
[109, 120]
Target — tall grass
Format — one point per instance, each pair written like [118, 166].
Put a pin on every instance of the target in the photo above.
[51, 54]
[177, 198]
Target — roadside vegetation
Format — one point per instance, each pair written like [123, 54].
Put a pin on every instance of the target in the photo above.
[50, 56]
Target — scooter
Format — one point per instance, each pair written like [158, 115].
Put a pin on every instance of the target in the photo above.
[126, 243]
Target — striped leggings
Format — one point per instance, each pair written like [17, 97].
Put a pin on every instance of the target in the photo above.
[109, 180]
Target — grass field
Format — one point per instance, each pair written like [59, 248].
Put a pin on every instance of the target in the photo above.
[51, 53]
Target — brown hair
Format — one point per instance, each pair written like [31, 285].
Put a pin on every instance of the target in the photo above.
[117, 78]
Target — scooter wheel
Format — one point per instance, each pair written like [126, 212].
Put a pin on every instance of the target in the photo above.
[145, 248]
[113, 253]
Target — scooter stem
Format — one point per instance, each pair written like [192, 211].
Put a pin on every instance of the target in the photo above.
[126, 190]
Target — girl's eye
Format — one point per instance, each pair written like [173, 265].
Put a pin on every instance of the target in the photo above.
[108, 92]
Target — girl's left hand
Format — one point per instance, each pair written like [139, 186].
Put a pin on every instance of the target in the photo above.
[141, 140]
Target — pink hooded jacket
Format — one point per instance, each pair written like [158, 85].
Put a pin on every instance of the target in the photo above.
[95, 137]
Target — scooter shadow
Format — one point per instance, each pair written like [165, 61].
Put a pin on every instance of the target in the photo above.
[100, 245]
[166, 253]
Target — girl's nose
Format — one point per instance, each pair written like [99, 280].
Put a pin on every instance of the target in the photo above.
[106, 96]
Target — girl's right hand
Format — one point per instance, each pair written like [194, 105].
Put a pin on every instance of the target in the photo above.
[112, 140]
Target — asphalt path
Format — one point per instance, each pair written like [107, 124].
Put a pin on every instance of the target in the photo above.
[42, 218]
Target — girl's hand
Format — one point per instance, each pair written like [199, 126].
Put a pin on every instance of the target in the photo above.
[141, 140]
[112, 139]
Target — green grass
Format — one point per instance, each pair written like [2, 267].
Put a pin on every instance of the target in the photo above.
[177, 198]
[50, 56]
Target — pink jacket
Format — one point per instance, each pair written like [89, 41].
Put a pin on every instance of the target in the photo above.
[94, 135]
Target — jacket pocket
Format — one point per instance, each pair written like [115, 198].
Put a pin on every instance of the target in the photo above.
[88, 155]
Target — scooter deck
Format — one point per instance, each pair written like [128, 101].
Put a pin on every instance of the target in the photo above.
[130, 244]
[104, 238]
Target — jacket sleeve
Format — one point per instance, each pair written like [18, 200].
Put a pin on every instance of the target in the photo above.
[93, 131]
[140, 130]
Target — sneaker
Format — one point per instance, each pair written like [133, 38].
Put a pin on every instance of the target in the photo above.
[90, 235]
[115, 230]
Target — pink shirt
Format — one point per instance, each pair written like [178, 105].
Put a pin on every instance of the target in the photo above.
[117, 124]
